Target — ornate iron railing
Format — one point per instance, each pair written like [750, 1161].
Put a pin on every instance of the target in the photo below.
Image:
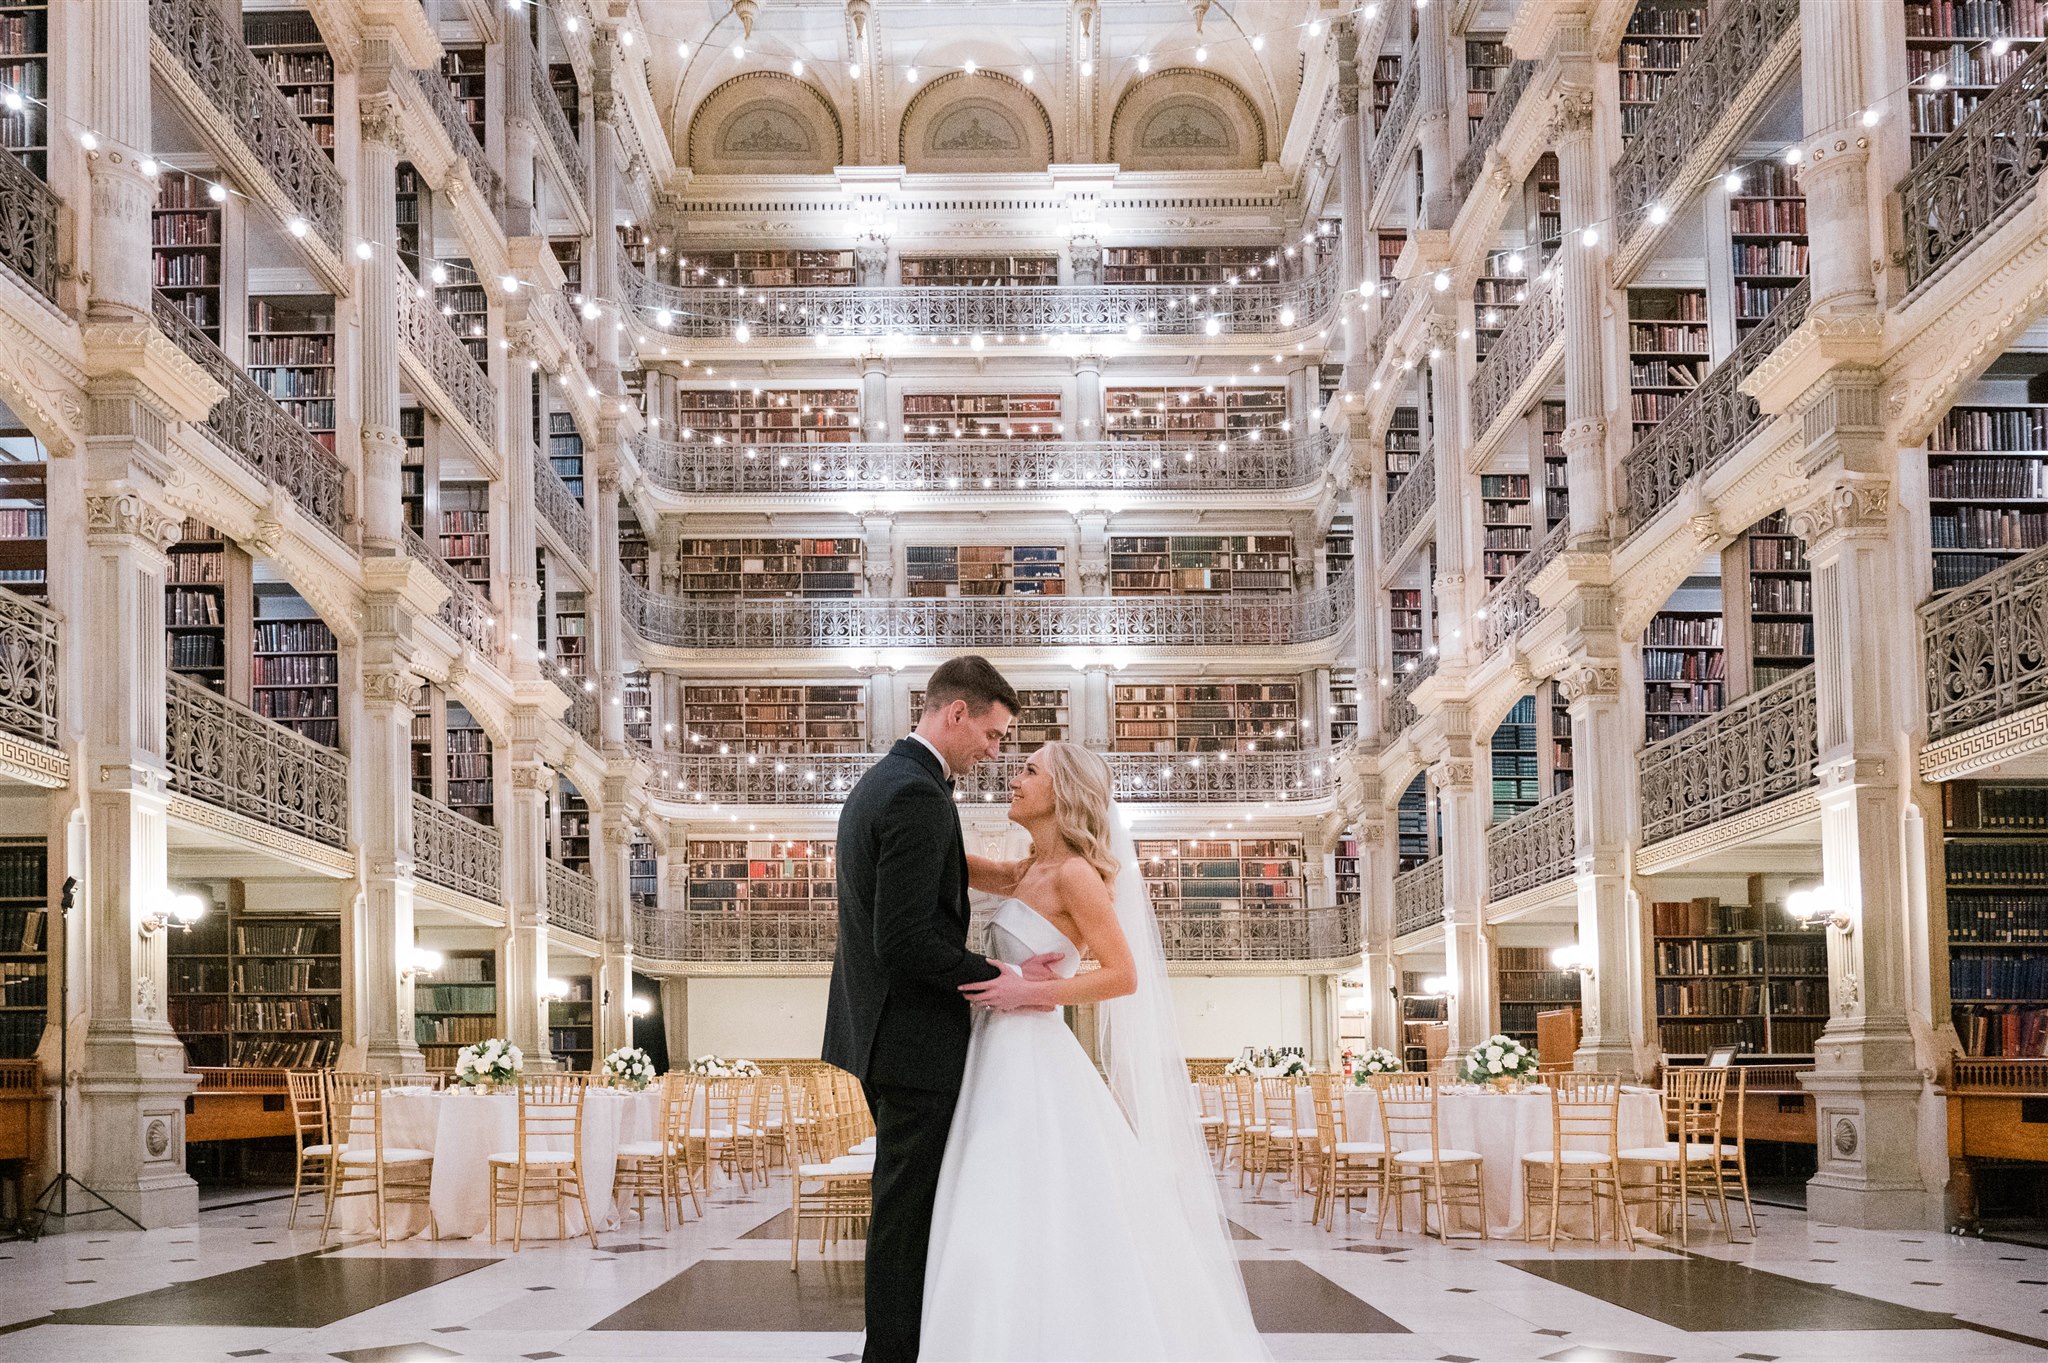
[1419, 897]
[29, 670]
[467, 611]
[572, 899]
[1979, 174]
[1759, 749]
[446, 359]
[554, 125]
[225, 754]
[434, 86]
[1511, 605]
[1536, 847]
[1986, 646]
[1393, 311]
[1499, 109]
[1401, 711]
[212, 53]
[990, 622]
[1398, 120]
[1709, 424]
[28, 226]
[973, 466]
[258, 432]
[1736, 46]
[582, 714]
[455, 851]
[1522, 343]
[558, 506]
[1256, 308]
[1414, 499]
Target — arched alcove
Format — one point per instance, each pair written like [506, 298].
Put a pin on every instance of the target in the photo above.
[1185, 119]
[979, 122]
[764, 123]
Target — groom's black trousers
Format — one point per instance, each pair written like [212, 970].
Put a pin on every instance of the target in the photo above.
[910, 1143]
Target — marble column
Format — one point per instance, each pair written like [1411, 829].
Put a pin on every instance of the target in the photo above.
[1582, 285]
[1463, 811]
[1437, 133]
[612, 978]
[1084, 260]
[1092, 716]
[1088, 419]
[610, 621]
[122, 196]
[377, 280]
[1376, 863]
[1601, 823]
[871, 260]
[522, 138]
[874, 394]
[517, 531]
[525, 953]
[380, 779]
[1836, 178]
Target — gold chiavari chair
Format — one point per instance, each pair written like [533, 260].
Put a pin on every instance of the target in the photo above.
[836, 1194]
[1256, 1153]
[1732, 1158]
[423, 1079]
[728, 1102]
[1687, 1164]
[547, 1166]
[657, 1166]
[751, 1139]
[1419, 1162]
[1582, 1167]
[1279, 1099]
[312, 1135]
[782, 1114]
[1345, 1168]
[364, 1165]
[1212, 1109]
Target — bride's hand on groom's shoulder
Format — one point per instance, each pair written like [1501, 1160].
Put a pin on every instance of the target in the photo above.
[1014, 989]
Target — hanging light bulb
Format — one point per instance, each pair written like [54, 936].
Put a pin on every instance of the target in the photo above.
[217, 192]
[910, 75]
[1733, 182]
[969, 67]
[796, 68]
[1027, 75]
[1659, 215]
[683, 51]
[1516, 264]
[1144, 63]
[1202, 54]
[1443, 281]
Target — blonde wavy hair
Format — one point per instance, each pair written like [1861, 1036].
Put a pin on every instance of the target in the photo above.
[1081, 793]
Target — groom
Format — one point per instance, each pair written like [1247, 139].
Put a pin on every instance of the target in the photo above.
[897, 1020]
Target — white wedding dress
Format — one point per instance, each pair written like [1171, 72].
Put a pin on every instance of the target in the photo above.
[1057, 1235]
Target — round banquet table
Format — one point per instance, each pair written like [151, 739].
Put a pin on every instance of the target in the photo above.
[464, 1129]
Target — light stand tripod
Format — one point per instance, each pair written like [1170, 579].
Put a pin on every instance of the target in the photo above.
[55, 1198]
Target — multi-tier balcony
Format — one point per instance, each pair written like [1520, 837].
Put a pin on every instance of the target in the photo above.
[1979, 176]
[572, 900]
[1500, 108]
[558, 139]
[1755, 752]
[1412, 504]
[441, 367]
[467, 612]
[1511, 607]
[454, 124]
[1986, 667]
[1401, 711]
[559, 510]
[1522, 360]
[1534, 849]
[456, 852]
[1419, 898]
[1398, 121]
[222, 753]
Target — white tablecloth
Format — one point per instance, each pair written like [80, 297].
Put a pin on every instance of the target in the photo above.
[465, 1129]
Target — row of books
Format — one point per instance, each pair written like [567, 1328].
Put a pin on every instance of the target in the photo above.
[2004, 429]
[191, 608]
[1985, 527]
[1783, 595]
[1781, 258]
[2006, 1033]
[19, 1034]
[1663, 374]
[1754, 302]
[1766, 217]
[2025, 479]
[185, 271]
[197, 975]
[291, 348]
[298, 669]
[271, 976]
[1708, 998]
[1966, 63]
[1997, 805]
[1974, 18]
[1693, 1038]
[1707, 957]
[195, 652]
[24, 984]
[1777, 554]
[455, 998]
[23, 523]
[1671, 665]
[286, 1015]
[293, 938]
[277, 1053]
[2002, 975]
[1783, 639]
[455, 1031]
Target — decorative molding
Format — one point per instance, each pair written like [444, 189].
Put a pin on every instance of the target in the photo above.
[1986, 746]
[1583, 680]
[1850, 505]
[339, 862]
[127, 514]
[32, 764]
[390, 686]
[1673, 853]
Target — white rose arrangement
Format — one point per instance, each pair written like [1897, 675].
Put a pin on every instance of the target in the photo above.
[1499, 1057]
[1266, 1064]
[629, 1067]
[717, 1067]
[496, 1061]
[1378, 1060]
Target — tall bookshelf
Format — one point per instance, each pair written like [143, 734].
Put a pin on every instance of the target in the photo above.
[407, 192]
[1667, 344]
[767, 269]
[288, 45]
[24, 947]
[284, 1002]
[1661, 34]
[1205, 415]
[1404, 627]
[636, 698]
[1494, 300]
[633, 549]
[1200, 565]
[24, 512]
[1198, 876]
[569, 635]
[1403, 446]
[470, 789]
[758, 569]
[1684, 671]
[196, 606]
[1386, 79]
[1411, 826]
[565, 451]
[25, 69]
[1486, 63]
[1517, 783]
[456, 1006]
[1767, 242]
[1560, 764]
[1506, 517]
[1391, 244]
[1343, 715]
[1418, 1012]
[769, 416]
[291, 357]
[466, 532]
[197, 966]
[1557, 487]
[572, 828]
[820, 717]
[643, 873]
[982, 416]
[572, 1026]
[986, 569]
[1526, 983]
[1186, 264]
[1987, 483]
[1339, 551]
[463, 67]
[1346, 886]
[1225, 716]
[1780, 601]
[185, 233]
[728, 875]
[467, 308]
[1044, 718]
[568, 95]
[1546, 202]
[1738, 974]
[1995, 845]
[412, 472]
[980, 271]
[1956, 40]
[295, 676]
[420, 746]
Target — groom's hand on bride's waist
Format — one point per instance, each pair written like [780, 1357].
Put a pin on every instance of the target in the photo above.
[1014, 990]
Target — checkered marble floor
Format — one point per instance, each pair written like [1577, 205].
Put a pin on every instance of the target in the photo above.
[239, 1285]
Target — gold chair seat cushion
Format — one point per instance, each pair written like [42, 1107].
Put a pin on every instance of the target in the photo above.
[401, 1154]
[1566, 1157]
[511, 1157]
[1667, 1153]
[1445, 1155]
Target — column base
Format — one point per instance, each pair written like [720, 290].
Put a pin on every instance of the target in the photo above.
[1599, 1056]
[393, 1055]
[128, 1140]
[1870, 1126]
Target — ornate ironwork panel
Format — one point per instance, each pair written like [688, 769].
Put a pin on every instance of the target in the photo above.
[467, 611]
[1394, 305]
[558, 506]
[227, 755]
[436, 346]
[251, 426]
[1396, 123]
[455, 851]
[1986, 646]
[1737, 45]
[1537, 847]
[1419, 897]
[1265, 465]
[572, 899]
[1511, 605]
[198, 34]
[28, 226]
[1759, 749]
[1980, 173]
[1499, 110]
[1523, 343]
[28, 669]
[1413, 500]
[1709, 424]
[582, 714]
[1401, 710]
[554, 125]
[434, 86]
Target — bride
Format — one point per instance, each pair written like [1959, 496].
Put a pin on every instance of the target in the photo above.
[1077, 1219]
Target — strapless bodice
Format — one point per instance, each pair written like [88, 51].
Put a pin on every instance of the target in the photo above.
[1018, 932]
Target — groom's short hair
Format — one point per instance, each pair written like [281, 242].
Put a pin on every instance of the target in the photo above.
[971, 678]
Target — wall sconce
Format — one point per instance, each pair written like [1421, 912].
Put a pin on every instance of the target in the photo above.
[179, 911]
[1437, 986]
[639, 1006]
[420, 961]
[1819, 904]
[1573, 957]
[554, 990]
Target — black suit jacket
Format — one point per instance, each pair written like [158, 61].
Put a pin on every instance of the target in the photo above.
[896, 1014]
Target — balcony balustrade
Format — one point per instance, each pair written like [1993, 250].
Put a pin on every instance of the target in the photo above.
[1248, 308]
[28, 669]
[259, 433]
[467, 611]
[1401, 711]
[572, 900]
[1985, 647]
[1979, 175]
[1761, 748]
[1394, 304]
[1709, 424]
[1511, 606]
[1399, 119]
[445, 360]
[991, 622]
[559, 508]
[1419, 897]
[1411, 502]
[582, 712]
[456, 852]
[697, 468]
[225, 754]
[1522, 346]
[210, 51]
[554, 126]
[434, 87]
[1537, 847]
[28, 226]
[1710, 82]
[1499, 110]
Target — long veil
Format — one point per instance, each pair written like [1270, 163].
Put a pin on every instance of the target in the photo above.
[1138, 1043]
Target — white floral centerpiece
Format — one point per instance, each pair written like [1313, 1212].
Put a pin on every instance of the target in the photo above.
[1266, 1064]
[488, 1064]
[629, 1067]
[1501, 1061]
[1378, 1060]
[717, 1067]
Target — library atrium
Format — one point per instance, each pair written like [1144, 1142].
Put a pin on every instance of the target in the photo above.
[1540, 505]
